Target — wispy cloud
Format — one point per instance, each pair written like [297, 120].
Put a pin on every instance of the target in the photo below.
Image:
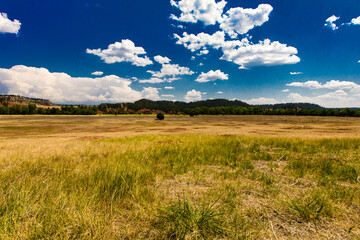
[261, 100]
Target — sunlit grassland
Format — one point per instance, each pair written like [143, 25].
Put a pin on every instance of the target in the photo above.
[176, 187]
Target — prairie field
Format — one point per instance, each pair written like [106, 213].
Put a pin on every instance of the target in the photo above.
[205, 177]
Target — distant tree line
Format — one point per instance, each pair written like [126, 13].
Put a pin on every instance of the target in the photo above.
[31, 109]
[170, 107]
[207, 107]
[346, 112]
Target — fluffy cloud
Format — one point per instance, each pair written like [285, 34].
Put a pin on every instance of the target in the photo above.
[219, 92]
[192, 11]
[150, 93]
[261, 100]
[8, 26]
[201, 41]
[308, 84]
[193, 95]
[235, 21]
[168, 87]
[162, 60]
[62, 88]
[333, 84]
[241, 52]
[168, 72]
[285, 90]
[356, 21]
[171, 70]
[240, 21]
[203, 52]
[336, 99]
[124, 51]
[212, 76]
[265, 53]
[296, 73]
[97, 73]
[330, 22]
[343, 94]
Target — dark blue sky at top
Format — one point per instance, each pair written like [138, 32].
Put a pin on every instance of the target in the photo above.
[56, 34]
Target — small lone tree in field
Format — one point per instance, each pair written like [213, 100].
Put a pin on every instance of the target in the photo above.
[160, 116]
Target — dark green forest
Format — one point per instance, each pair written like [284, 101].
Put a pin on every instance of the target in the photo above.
[207, 107]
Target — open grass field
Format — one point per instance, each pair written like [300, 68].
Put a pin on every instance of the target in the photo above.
[207, 177]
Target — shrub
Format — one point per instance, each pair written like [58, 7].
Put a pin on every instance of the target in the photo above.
[160, 116]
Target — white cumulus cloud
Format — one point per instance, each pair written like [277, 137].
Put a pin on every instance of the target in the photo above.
[333, 84]
[124, 51]
[193, 95]
[169, 87]
[97, 73]
[162, 60]
[330, 22]
[336, 99]
[172, 70]
[8, 26]
[212, 76]
[240, 21]
[207, 11]
[242, 52]
[356, 21]
[62, 88]
[201, 41]
[265, 53]
[340, 93]
[150, 93]
[235, 21]
[203, 52]
[296, 73]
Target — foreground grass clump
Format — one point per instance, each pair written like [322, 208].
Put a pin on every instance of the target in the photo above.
[180, 187]
[181, 220]
[312, 207]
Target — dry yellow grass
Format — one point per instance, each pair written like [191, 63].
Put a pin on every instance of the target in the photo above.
[223, 177]
[125, 126]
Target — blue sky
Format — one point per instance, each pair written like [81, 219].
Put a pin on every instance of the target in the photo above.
[268, 51]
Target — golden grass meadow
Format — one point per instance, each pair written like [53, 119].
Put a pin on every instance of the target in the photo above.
[206, 177]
